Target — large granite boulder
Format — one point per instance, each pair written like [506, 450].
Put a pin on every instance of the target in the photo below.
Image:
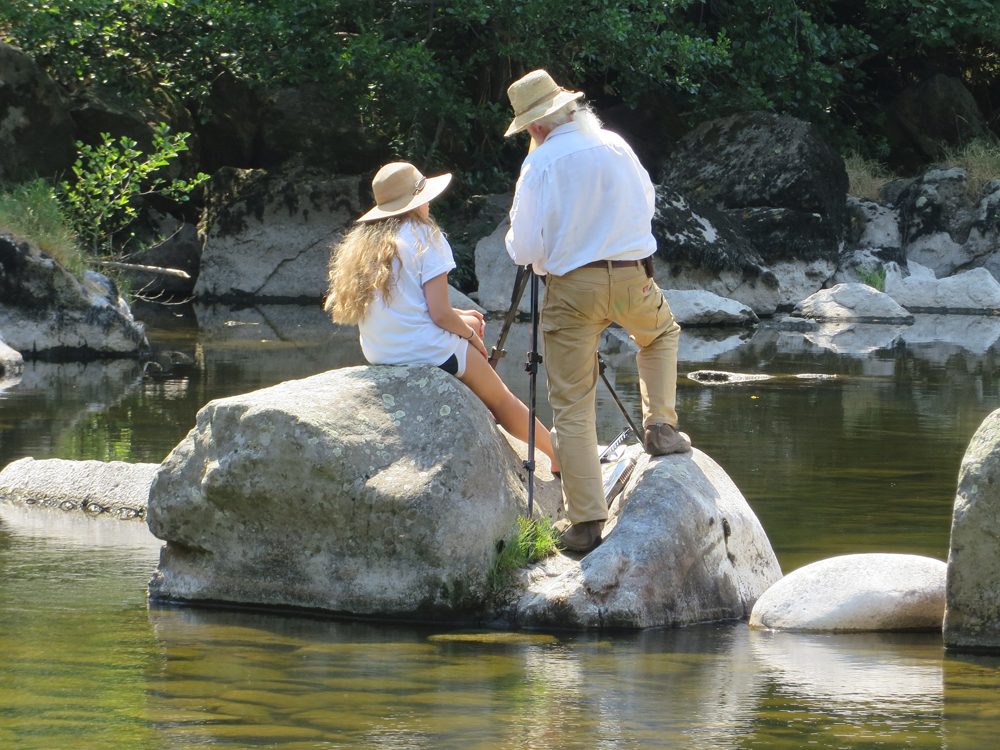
[116, 489]
[681, 546]
[36, 132]
[972, 617]
[856, 592]
[47, 312]
[780, 185]
[369, 491]
[496, 272]
[274, 239]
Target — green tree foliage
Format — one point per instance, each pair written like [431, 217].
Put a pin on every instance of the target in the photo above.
[429, 76]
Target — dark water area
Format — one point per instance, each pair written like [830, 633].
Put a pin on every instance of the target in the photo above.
[864, 461]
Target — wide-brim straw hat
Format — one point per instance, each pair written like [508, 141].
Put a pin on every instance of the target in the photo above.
[399, 187]
[535, 96]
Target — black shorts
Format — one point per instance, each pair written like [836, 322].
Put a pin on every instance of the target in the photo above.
[450, 365]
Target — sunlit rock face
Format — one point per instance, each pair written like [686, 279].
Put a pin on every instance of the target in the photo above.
[856, 593]
[681, 546]
[47, 312]
[972, 618]
[369, 491]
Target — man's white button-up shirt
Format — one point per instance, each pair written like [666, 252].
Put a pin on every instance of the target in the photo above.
[579, 199]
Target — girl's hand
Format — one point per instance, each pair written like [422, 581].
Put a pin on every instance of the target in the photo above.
[474, 320]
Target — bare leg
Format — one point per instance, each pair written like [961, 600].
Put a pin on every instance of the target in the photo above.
[507, 408]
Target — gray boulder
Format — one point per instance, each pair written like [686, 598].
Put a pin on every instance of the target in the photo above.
[370, 491]
[274, 239]
[681, 546]
[975, 291]
[496, 272]
[116, 489]
[46, 311]
[179, 248]
[852, 303]
[701, 308]
[972, 617]
[856, 593]
[36, 132]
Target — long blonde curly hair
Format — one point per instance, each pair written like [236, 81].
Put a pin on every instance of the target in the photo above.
[363, 265]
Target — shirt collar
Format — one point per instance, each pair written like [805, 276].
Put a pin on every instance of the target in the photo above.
[566, 127]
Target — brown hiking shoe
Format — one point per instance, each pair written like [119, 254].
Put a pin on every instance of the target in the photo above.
[663, 439]
[578, 537]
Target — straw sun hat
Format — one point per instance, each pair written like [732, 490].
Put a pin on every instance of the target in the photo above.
[535, 96]
[399, 187]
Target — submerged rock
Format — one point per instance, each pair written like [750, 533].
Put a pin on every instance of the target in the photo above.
[45, 311]
[368, 491]
[115, 489]
[854, 593]
[972, 618]
[681, 546]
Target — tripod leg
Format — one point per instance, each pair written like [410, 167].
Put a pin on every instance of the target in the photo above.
[534, 359]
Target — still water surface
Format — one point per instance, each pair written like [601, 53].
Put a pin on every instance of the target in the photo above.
[866, 461]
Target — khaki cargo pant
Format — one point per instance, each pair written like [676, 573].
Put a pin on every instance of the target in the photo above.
[577, 308]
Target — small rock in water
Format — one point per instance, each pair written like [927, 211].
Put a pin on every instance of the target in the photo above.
[867, 592]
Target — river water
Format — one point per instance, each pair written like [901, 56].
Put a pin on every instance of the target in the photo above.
[861, 462]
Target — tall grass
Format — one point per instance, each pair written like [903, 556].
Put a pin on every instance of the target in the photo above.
[32, 211]
[980, 158]
[534, 540]
[866, 176]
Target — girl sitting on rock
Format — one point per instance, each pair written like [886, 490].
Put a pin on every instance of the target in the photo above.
[389, 276]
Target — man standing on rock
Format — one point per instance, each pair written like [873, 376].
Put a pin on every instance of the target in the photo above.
[581, 218]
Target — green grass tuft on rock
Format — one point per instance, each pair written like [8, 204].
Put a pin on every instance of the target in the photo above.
[534, 540]
[32, 211]
[980, 158]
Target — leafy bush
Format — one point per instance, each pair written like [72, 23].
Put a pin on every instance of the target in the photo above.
[873, 277]
[101, 202]
[33, 211]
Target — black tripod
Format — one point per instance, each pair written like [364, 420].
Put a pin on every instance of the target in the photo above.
[531, 366]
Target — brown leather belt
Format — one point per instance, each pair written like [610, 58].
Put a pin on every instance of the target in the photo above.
[614, 264]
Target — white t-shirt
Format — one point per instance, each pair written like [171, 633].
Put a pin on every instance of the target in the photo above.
[580, 198]
[402, 332]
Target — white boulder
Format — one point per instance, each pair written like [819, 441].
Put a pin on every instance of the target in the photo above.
[856, 592]
[496, 272]
[968, 292]
[852, 303]
[694, 307]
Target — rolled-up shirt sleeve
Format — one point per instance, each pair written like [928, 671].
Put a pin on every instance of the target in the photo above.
[524, 238]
